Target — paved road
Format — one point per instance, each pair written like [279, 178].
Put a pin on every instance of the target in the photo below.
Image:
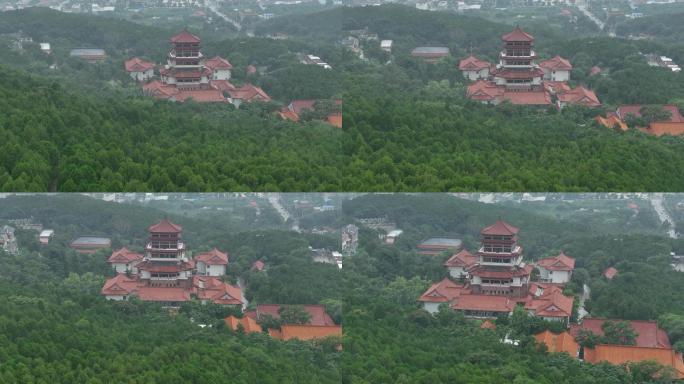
[657, 203]
[586, 293]
[275, 202]
[214, 8]
[241, 285]
[591, 16]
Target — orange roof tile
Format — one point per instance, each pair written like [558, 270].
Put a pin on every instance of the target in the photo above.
[517, 35]
[611, 121]
[248, 324]
[165, 226]
[487, 324]
[185, 37]
[213, 257]
[620, 354]
[562, 342]
[580, 95]
[664, 128]
[649, 335]
[137, 65]
[335, 120]
[306, 332]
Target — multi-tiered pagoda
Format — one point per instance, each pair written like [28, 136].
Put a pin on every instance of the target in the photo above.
[517, 77]
[496, 280]
[166, 273]
[185, 64]
[500, 269]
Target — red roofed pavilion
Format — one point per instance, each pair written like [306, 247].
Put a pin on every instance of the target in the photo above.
[517, 35]
[185, 37]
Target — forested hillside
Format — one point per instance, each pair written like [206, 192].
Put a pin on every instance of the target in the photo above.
[391, 340]
[56, 327]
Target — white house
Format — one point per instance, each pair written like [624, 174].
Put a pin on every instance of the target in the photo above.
[474, 68]
[220, 68]
[124, 260]
[139, 70]
[458, 264]
[45, 236]
[556, 69]
[212, 263]
[440, 293]
[557, 269]
[386, 45]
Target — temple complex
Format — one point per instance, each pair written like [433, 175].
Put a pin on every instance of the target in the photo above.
[166, 273]
[518, 78]
[496, 280]
[187, 74]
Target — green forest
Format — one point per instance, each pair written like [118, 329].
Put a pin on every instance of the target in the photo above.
[407, 126]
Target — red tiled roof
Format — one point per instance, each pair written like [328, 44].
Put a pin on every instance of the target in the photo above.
[213, 257]
[305, 332]
[610, 272]
[562, 342]
[580, 95]
[484, 90]
[489, 303]
[163, 294]
[461, 259]
[165, 226]
[249, 92]
[137, 65]
[552, 303]
[157, 89]
[185, 37]
[620, 354]
[201, 96]
[219, 292]
[649, 335]
[556, 86]
[317, 313]
[595, 70]
[500, 228]
[248, 324]
[528, 98]
[517, 35]
[562, 262]
[250, 69]
[123, 255]
[624, 110]
[487, 324]
[218, 63]
[472, 63]
[556, 63]
[119, 285]
[442, 292]
[297, 106]
[664, 128]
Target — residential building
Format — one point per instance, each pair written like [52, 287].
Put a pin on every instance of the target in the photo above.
[91, 55]
[430, 54]
[386, 45]
[125, 261]
[219, 67]
[557, 269]
[8, 242]
[437, 245]
[474, 69]
[139, 70]
[45, 236]
[459, 264]
[212, 263]
[90, 244]
[556, 69]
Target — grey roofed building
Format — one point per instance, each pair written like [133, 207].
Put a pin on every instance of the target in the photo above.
[437, 245]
